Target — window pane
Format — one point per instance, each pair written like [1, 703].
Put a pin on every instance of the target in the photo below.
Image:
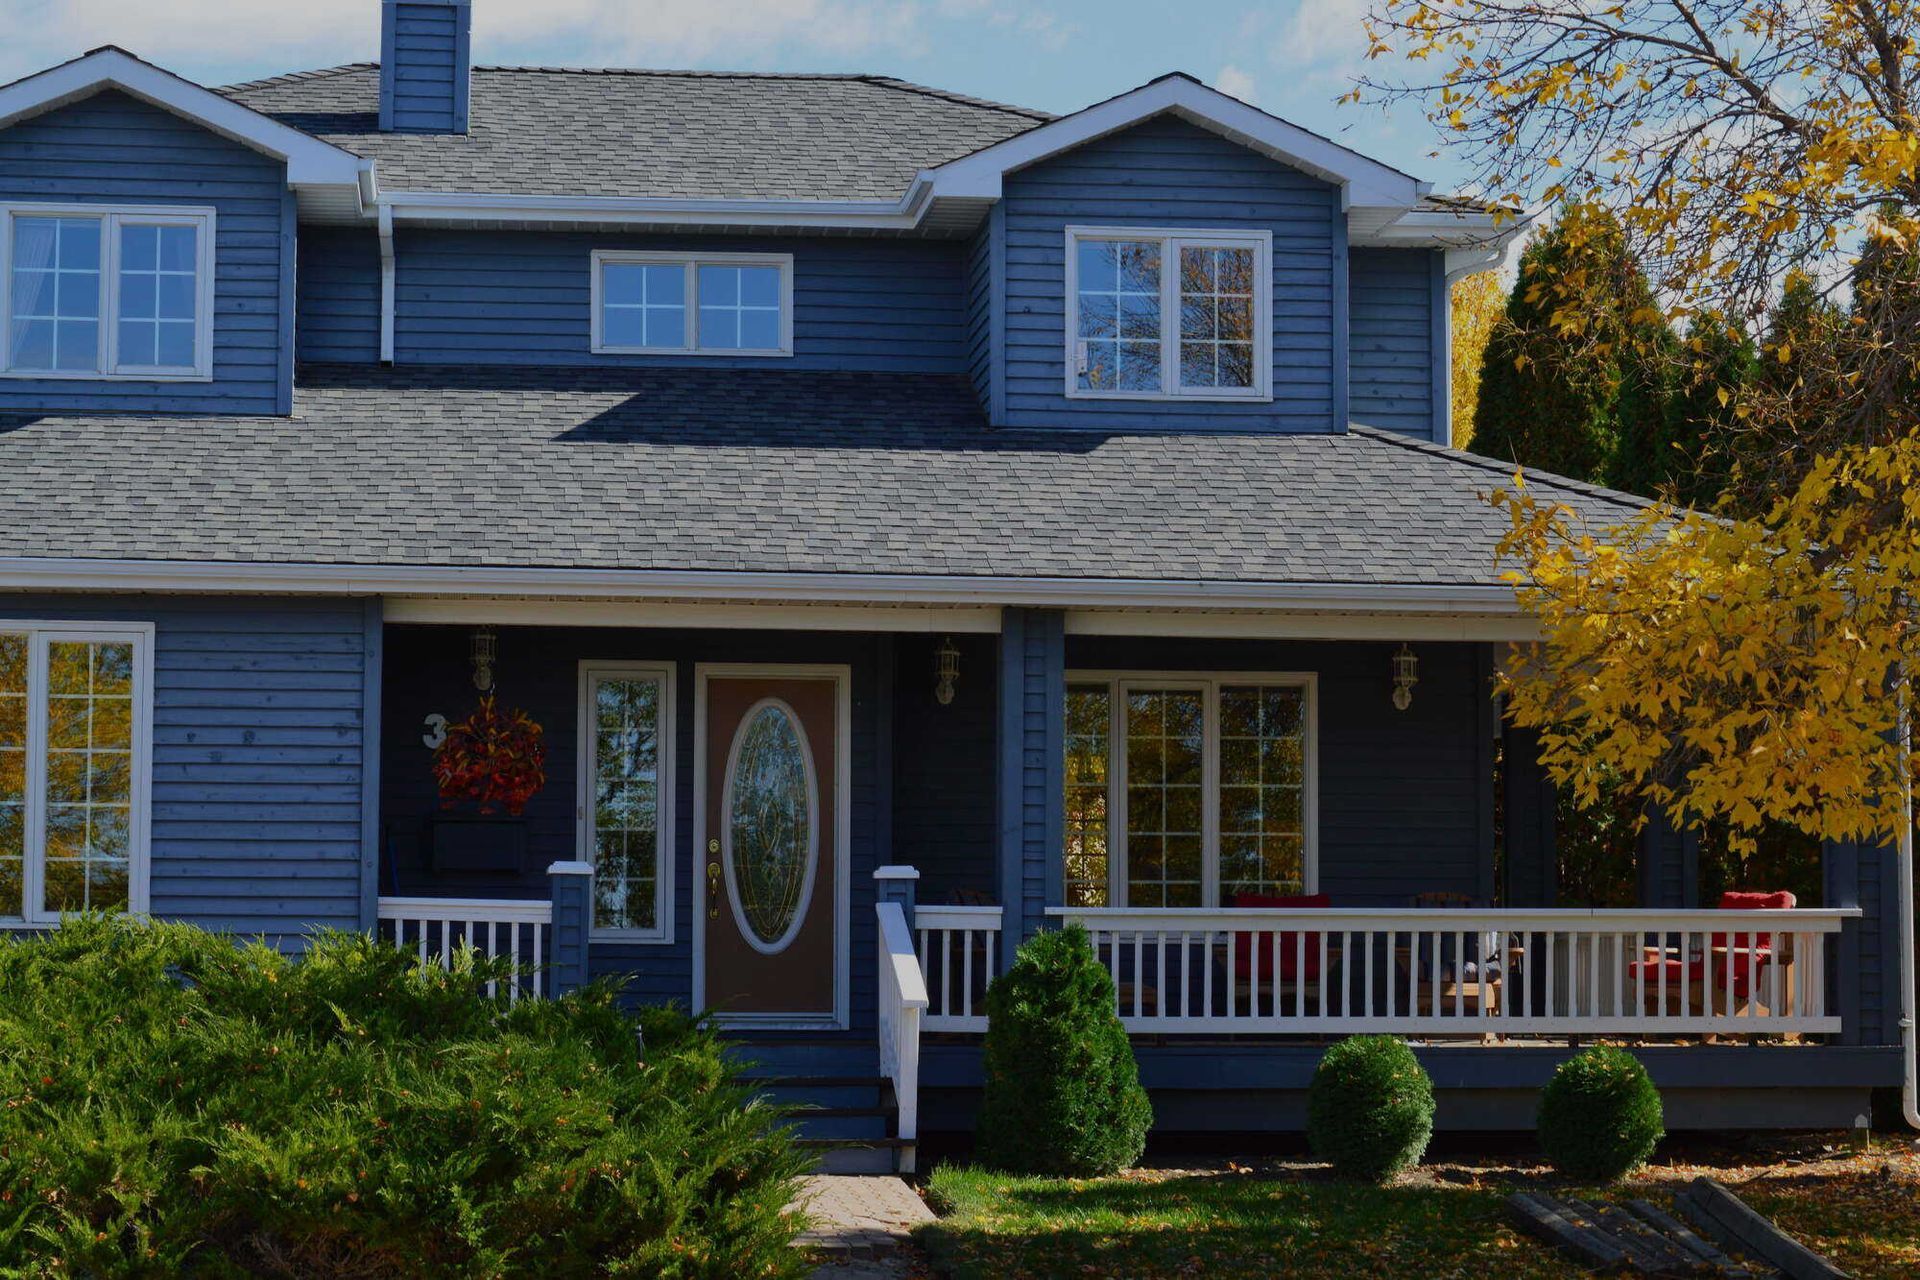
[54, 295]
[719, 286]
[89, 795]
[1262, 814]
[1118, 296]
[623, 327]
[13, 771]
[760, 287]
[720, 328]
[1164, 754]
[158, 279]
[622, 285]
[739, 308]
[626, 817]
[759, 330]
[1216, 317]
[1089, 709]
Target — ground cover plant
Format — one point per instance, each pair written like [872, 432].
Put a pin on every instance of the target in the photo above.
[179, 1105]
[1445, 1220]
[1062, 1092]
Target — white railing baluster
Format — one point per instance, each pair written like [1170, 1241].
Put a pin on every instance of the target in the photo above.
[471, 922]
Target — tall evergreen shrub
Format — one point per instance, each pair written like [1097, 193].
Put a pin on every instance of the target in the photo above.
[1062, 1092]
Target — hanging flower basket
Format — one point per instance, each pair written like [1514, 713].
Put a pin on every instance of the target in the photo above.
[496, 759]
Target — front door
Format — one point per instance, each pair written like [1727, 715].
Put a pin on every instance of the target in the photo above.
[772, 846]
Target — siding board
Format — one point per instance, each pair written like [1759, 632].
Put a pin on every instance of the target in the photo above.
[1391, 354]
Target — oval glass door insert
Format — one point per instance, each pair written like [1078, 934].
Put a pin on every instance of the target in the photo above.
[772, 830]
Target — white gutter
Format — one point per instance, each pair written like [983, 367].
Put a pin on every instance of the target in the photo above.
[25, 573]
[386, 283]
[455, 206]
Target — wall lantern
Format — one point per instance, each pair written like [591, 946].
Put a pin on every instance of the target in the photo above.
[486, 647]
[946, 670]
[1406, 674]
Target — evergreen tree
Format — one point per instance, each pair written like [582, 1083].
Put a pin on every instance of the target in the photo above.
[1719, 368]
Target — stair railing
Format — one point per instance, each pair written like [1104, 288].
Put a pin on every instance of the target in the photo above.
[903, 998]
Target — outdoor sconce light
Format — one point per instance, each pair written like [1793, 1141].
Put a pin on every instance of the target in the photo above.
[1406, 674]
[486, 647]
[946, 670]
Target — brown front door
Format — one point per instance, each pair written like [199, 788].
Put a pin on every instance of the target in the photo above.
[770, 844]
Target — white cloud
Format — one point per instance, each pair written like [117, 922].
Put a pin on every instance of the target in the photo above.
[667, 32]
[1321, 32]
[1236, 82]
[190, 35]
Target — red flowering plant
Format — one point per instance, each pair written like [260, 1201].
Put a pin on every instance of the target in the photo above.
[494, 758]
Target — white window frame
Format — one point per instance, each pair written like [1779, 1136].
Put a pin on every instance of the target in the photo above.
[111, 216]
[1172, 240]
[140, 772]
[592, 672]
[1208, 683]
[691, 263]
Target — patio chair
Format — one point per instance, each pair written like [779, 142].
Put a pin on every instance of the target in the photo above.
[1469, 975]
[1253, 972]
[1747, 955]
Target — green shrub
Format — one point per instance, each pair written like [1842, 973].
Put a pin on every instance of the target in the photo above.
[177, 1104]
[1370, 1108]
[1062, 1092]
[1600, 1115]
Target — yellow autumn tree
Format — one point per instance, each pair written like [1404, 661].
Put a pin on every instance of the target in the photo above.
[1478, 301]
[1735, 672]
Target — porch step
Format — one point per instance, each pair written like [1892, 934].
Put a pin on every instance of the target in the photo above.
[848, 1120]
[874, 1156]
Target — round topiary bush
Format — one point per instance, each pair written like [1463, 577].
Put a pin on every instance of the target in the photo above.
[1370, 1108]
[1600, 1115]
[1062, 1093]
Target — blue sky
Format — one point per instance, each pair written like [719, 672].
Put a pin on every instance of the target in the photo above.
[1293, 57]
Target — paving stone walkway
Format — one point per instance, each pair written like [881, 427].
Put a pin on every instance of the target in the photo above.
[859, 1223]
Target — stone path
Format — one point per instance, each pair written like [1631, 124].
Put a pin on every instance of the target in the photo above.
[859, 1223]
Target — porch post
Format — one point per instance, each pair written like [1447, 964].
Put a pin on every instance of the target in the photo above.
[571, 884]
[897, 884]
[1030, 741]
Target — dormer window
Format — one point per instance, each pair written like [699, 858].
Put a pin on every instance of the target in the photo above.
[107, 293]
[714, 304]
[1162, 315]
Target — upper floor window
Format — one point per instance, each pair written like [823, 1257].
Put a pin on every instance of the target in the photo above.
[1164, 314]
[98, 292]
[737, 304]
[74, 715]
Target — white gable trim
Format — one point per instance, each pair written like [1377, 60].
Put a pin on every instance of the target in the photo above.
[310, 162]
[1361, 181]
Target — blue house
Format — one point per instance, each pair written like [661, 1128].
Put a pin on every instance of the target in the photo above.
[910, 522]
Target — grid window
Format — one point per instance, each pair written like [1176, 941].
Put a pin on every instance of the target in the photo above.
[111, 294]
[1262, 790]
[1119, 309]
[690, 304]
[1089, 734]
[1216, 317]
[626, 803]
[71, 809]
[1165, 752]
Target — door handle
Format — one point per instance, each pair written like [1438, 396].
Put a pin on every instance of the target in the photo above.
[713, 891]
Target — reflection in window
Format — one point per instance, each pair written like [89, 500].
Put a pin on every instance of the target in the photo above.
[739, 308]
[1119, 308]
[159, 293]
[1216, 317]
[1164, 763]
[13, 774]
[89, 775]
[626, 803]
[770, 823]
[660, 303]
[644, 305]
[1089, 716]
[1262, 757]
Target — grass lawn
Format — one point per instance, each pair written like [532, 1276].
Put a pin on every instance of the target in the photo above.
[1445, 1219]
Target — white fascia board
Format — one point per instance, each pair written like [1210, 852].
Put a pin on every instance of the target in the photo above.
[1362, 181]
[40, 574]
[483, 207]
[310, 162]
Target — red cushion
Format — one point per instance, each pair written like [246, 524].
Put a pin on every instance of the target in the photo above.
[1253, 952]
[1667, 973]
[1743, 900]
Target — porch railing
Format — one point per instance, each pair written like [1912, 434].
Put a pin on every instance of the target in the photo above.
[903, 1001]
[1449, 971]
[959, 948]
[435, 928]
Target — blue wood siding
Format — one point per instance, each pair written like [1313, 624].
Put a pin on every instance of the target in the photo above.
[1392, 354]
[1030, 747]
[1168, 173]
[1866, 980]
[258, 755]
[427, 672]
[980, 260]
[943, 770]
[339, 296]
[424, 57]
[113, 149]
[522, 298]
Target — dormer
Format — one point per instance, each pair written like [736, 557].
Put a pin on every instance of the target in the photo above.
[147, 242]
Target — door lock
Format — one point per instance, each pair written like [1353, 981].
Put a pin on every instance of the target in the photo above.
[713, 889]
[713, 846]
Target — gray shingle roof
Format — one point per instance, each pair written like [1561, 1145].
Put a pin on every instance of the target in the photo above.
[741, 470]
[665, 134]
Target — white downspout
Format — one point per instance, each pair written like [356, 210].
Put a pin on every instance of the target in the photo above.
[1903, 868]
[386, 283]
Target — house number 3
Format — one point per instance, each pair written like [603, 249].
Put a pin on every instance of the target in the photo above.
[436, 733]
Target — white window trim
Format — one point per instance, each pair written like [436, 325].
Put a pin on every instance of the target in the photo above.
[110, 216]
[140, 774]
[1208, 682]
[1173, 239]
[591, 673]
[690, 263]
